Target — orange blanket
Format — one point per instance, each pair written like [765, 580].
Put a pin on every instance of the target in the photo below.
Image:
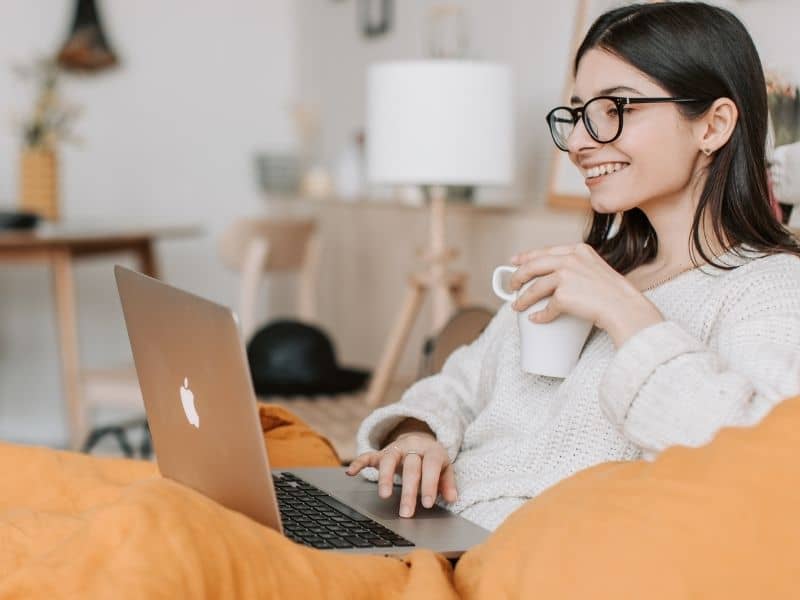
[74, 526]
[713, 522]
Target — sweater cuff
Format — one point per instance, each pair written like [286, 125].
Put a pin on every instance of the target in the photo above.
[635, 362]
[377, 425]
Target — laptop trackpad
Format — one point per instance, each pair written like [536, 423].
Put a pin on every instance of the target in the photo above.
[389, 508]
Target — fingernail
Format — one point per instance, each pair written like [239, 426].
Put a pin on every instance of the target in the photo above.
[385, 491]
[427, 502]
[405, 511]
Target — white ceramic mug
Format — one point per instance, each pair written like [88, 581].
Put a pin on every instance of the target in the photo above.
[550, 349]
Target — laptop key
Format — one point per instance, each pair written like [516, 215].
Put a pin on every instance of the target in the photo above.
[358, 542]
[343, 508]
[340, 543]
[328, 535]
[312, 539]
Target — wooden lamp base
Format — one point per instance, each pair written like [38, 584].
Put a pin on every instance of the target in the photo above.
[447, 289]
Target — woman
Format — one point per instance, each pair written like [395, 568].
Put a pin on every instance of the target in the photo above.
[692, 284]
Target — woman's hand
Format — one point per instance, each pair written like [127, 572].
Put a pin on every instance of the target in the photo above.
[582, 284]
[423, 464]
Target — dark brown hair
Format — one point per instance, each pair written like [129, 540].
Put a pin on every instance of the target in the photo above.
[696, 51]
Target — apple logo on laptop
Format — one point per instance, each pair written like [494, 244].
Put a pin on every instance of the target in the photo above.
[187, 400]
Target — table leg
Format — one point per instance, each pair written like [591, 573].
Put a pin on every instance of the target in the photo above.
[147, 259]
[66, 316]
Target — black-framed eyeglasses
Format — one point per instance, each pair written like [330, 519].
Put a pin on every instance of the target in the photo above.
[602, 117]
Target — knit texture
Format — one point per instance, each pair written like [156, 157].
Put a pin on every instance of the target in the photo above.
[726, 353]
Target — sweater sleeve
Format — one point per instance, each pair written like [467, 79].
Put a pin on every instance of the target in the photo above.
[664, 387]
[447, 402]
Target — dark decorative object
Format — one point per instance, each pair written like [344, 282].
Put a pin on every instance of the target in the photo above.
[17, 220]
[375, 16]
[290, 358]
[87, 48]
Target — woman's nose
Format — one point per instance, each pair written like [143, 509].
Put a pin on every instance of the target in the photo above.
[579, 139]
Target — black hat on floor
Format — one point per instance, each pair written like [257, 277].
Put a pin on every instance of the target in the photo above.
[289, 358]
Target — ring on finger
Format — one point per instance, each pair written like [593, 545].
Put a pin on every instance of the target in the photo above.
[402, 452]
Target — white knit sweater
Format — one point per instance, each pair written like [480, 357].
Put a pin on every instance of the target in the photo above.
[727, 352]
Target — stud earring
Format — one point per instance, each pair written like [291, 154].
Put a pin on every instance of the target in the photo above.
[707, 151]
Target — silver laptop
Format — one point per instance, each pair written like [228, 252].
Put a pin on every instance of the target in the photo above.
[203, 418]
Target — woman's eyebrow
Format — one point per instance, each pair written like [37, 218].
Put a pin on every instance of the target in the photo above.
[607, 92]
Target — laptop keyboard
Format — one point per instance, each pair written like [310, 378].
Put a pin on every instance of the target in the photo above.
[314, 518]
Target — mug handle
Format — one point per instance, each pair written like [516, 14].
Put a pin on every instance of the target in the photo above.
[497, 283]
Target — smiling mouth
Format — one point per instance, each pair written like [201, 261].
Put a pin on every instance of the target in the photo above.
[604, 169]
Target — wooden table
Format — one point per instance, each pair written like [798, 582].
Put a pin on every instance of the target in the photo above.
[59, 246]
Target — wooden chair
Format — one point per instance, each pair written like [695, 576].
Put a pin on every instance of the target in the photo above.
[462, 328]
[256, 246]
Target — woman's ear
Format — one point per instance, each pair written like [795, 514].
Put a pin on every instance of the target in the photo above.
[716, 126]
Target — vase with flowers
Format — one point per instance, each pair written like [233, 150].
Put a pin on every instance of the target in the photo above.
[42, 129]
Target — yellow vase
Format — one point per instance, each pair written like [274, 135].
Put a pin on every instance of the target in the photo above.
[38, 185]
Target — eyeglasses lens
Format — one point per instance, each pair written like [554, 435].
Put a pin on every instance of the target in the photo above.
[601, 118]
[561, 127]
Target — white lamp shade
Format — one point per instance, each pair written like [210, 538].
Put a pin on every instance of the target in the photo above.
[439, 122]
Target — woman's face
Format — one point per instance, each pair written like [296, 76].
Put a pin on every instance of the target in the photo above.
[656, 154]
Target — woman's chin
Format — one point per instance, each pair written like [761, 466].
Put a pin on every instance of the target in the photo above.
[602, 205]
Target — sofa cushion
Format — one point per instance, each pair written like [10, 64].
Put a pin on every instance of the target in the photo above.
[721, 521]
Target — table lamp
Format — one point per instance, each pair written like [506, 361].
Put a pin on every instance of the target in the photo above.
[435, 123]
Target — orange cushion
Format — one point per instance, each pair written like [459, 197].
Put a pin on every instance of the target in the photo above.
[291, 442]
[722, 521]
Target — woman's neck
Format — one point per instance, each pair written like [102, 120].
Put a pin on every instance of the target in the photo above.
[672, 222]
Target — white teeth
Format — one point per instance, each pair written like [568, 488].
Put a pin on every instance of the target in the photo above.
[604, 169]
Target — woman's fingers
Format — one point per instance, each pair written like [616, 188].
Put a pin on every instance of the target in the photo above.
[524, 257]
[412, 470]
[425, 473]
[387, 467]
[368, 459]
[543, 265]
[431, 470]
[447, 484]
[543, 287]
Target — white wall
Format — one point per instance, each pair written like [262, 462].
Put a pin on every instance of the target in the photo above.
[168, 139]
